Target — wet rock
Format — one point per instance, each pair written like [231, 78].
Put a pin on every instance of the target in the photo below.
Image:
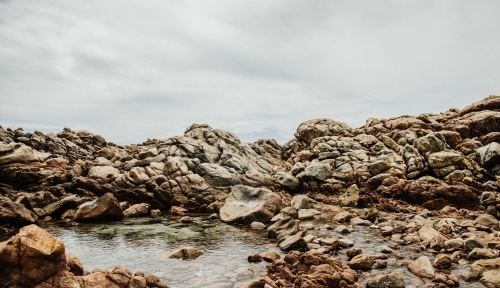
[247, 204]
[105, 207]
[185, 253]
[257, 226]
[343, 217]
[292, 242]
[353, 252]
[23, 255]
[177, 211]
[342, 229]
[270, 256]
[361, 262]
[431, 237]
[392, 280]
[257, 258]
[283, 228]
[137, 210]
[422, 267]
[185, 219]
[442, 261]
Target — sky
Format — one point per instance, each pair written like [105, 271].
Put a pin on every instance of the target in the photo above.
[133, 70]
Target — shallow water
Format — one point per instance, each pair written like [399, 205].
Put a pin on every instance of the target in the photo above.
[143, 247]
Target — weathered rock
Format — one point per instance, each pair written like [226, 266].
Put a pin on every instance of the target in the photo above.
[185, 253]
[442, 261]
[15, 214]
[74, 264]
[422, 267]
[137, 210]
[350, 197]
[292, 242]
[486, 220]
[247, 204]
[57, 208]
[320, 171]
[19, 153]
[393, 280]
[361, 262]
[431, 237]
[103, 208]
[489, 154]
[286, 180]
[301, 202]
[23, 255]
[103, 172]
[283, 228]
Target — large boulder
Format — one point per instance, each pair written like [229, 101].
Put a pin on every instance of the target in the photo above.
[20, 153]
[30, 257]
[488, 155]
[15, 214]
[311, 129]
[103, 172]
[103, 208]
[246, 204]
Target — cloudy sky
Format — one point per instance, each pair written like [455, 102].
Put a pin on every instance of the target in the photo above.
[132, 70]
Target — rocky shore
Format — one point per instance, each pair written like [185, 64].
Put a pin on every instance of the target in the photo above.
[428, 184]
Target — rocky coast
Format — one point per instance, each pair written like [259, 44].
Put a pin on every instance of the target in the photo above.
[410, 201]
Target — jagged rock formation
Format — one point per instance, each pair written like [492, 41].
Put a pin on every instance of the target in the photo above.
[432, 160]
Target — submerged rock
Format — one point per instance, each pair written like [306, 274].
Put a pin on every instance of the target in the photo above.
[187, 253]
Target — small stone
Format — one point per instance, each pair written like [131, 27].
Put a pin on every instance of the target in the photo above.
[342, 229]
[257, 225]
[270, 256]
[393, 280]
[386, 230]
[257, 258]
[442, 261]
[185, 219]
[474, 242]
[185, 253]
[422, 267]
[361, 262]
[353, 252]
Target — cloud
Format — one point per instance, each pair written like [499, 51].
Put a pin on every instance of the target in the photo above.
[135, 70]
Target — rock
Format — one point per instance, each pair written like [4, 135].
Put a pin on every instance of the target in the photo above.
[393, 280]
[292, 242]
[177, 211]
[137, 210]
[343, 217]
[304, 214]
[422, 267]
[486, 220]
[103, 172]
[217, 175]
[23, 255]
[185, 219]
[445, 162]
[257, 226]
[15, 214]
[350, 197]
[320, 171]
[489, 154]
[283, 228]
[481, 253]
[257, 258]
[490, 278]
[74, 264]
[474, 242]
[342, 229]
[57, 208]
[361, 262]
[301, 202]
[247, 204]
[431, 237]
[254, 283]
[286, 180]
[270, 256]
[456, 243]
[105, 207]
[20, 153]
[442, 261]
[154, 281]
[311, 129]
[185, 253]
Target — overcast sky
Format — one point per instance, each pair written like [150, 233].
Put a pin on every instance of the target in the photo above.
[132, 70]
